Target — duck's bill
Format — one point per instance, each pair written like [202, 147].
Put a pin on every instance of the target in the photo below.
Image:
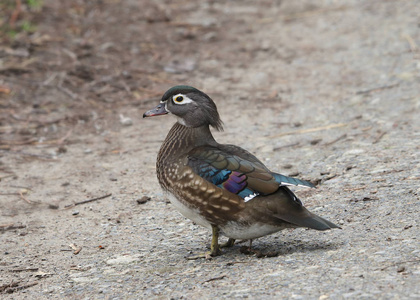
[157, 111]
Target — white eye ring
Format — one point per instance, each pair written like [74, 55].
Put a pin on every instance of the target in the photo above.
[181, 99]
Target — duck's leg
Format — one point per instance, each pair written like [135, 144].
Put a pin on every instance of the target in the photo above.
[229, 243]
[214, 247]
[248, 250]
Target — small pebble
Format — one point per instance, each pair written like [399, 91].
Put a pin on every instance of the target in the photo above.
[401, 269]
[143, 200]
[62, 149]
[75, 213]
[125, 121]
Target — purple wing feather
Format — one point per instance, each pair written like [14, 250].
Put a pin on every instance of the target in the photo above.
[235, 183]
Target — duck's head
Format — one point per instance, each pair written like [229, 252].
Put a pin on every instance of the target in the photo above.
[192, 107]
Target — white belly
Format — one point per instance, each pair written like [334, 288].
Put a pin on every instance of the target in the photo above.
[192, 214]
[230, 229]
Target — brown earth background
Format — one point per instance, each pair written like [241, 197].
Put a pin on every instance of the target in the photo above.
[327, 91]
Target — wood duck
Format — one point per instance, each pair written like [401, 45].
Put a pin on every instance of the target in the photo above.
[222, 187]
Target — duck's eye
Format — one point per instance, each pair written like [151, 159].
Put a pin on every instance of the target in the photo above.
[179, 99]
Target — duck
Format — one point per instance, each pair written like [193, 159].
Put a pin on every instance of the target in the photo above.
[222, 187]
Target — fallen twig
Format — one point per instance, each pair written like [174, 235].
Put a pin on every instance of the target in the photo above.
[24, 198]
[336, 140]
[14, 287]
[377, 89]
[21, 187]
[76, 249]
[354, 189]
[311, 13]
[235, 262]
[379, 137]
[308, 130]
[18, 143]
[6, 176]
[11, 226]
[6, 287]
[65, 137]
[87, 201]
[215, 278]
[24, 270]
[398, 263]
[285, 146]
[37, 156]
[66, 91]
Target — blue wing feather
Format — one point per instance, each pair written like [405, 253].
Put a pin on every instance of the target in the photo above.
[285, 180]
[233, 181]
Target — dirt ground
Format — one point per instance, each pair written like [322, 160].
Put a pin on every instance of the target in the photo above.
[327, 91]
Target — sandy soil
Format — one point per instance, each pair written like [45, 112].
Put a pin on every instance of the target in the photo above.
[328, 91]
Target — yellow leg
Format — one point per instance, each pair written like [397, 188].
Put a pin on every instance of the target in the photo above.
[214, 247]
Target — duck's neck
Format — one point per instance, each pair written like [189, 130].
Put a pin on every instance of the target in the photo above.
[182, 139]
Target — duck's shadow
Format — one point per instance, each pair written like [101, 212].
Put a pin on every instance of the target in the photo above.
[265, 248]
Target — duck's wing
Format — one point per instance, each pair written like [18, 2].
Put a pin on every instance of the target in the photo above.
[238, 171]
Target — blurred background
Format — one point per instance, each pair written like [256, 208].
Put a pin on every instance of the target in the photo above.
[328, 91]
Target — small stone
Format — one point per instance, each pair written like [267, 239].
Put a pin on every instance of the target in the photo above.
[75, 213]
[125, 121]
[401, 269]
[315, 141]
[62, 149]
[143, 200]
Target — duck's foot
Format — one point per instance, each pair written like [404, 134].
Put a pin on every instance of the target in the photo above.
[259, 254]
[214, 247]
[207, 255]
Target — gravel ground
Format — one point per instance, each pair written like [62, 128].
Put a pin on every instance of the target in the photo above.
[327, 91]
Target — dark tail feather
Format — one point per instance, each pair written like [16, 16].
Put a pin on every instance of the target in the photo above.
[309, 220]
[316, 222]
[289, 208]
